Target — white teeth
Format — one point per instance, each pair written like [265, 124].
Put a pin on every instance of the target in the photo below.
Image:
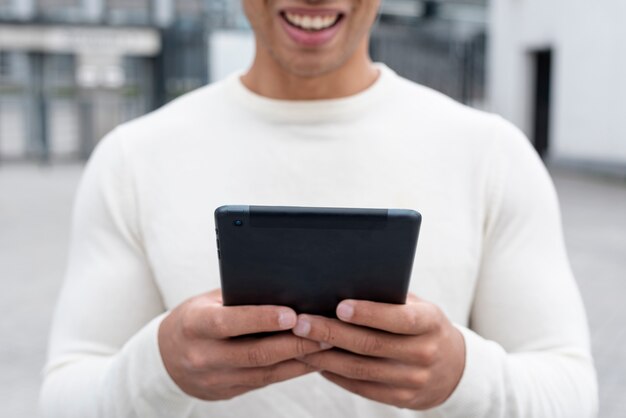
[311, 23]
[318, 23]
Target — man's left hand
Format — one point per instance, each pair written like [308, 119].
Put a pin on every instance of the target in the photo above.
[409, 356]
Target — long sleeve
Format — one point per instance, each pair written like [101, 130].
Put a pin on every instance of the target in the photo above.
[528, 351]
[142, 235]
[104, 358]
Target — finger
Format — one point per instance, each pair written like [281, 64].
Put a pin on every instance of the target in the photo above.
[367, 368]
[354, 338]
[233, 383]
[414, 318]
[216, 296]
[207, 318]
[263, 376]
[379, 392]
[262, 352]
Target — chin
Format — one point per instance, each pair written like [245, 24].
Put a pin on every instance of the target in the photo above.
[310, 68]
[311, 71]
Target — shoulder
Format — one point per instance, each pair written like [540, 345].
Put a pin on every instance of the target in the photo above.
[179, 110]
[168, 126]
[418, 96]
[442, 117]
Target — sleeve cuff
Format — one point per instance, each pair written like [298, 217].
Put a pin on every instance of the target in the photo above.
[154, 392]
[476, 394]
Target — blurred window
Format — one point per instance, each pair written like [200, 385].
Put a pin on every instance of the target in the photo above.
[5, 67]
[186, 68]
[130, 11]
[59, 74]
[190, 13]
[225, 14]
[63, 10]
[137, 91]
[133, 70]
[13, 73]
[440, 44]
[6, 8]
[190, 7]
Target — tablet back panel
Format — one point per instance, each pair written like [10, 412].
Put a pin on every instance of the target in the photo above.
[310, 259]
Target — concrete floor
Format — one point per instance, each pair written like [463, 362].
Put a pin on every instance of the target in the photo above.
[35, 209]
[594, 216]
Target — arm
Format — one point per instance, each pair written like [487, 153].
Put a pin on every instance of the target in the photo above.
[527, 353]
[103, 356]
[113, 351]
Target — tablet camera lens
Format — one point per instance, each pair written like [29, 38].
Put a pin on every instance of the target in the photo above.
[238, 222]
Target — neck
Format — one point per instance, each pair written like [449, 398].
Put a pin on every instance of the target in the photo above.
[268, 78]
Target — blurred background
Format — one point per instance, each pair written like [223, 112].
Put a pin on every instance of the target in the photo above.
[71, 70]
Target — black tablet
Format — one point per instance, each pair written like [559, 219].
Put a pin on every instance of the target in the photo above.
[310, 259]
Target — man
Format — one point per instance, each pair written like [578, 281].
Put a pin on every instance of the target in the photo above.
[494, 326]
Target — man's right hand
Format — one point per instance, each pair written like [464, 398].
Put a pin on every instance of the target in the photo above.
[196, 345]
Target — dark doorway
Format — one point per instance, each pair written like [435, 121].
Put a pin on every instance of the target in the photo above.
[542, 64]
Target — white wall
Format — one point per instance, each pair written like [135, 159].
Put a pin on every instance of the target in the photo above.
[588, 76]
[230, 51]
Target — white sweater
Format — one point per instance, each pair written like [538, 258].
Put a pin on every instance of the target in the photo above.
[491, 251]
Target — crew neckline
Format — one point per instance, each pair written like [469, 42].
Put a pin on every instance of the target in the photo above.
[311, 111]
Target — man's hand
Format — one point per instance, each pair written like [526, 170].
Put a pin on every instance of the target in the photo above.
[200, 356]
[409, 356]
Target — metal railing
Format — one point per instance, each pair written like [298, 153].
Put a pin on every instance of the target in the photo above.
[71, 126]
[436, 55]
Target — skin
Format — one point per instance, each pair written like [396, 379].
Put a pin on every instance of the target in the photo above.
[409, 356]
[200, 353]
[285, 70]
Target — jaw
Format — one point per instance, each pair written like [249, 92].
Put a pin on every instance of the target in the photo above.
[309, 78]
[311, 52]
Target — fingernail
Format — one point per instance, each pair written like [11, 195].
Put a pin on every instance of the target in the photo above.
[325, 346]
[345, 310]
[286, 319]
[302, 328]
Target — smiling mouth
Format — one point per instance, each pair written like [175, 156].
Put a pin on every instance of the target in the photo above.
[309, 23]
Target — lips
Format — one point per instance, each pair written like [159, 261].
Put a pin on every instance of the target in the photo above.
[311, 27]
